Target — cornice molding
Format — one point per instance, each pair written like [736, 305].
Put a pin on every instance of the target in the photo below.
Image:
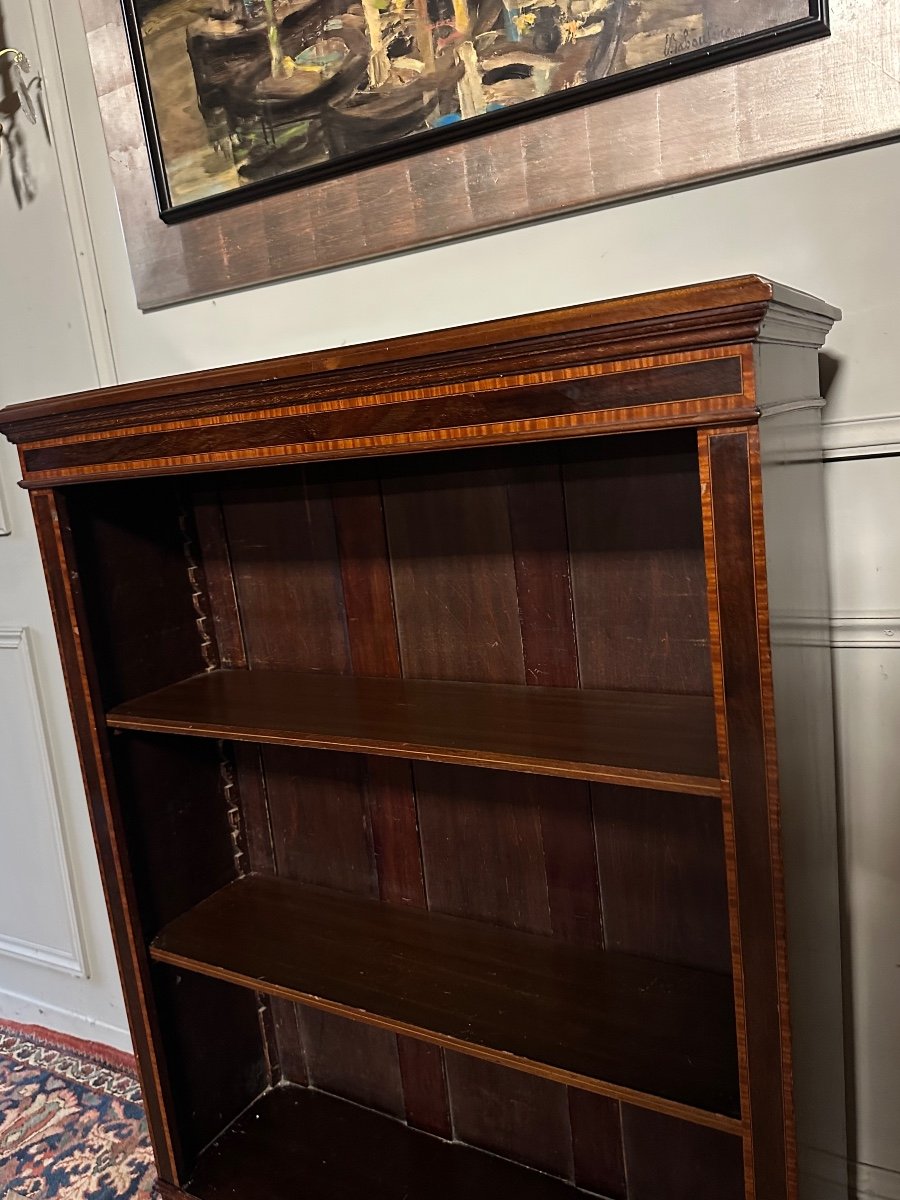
[738, 311]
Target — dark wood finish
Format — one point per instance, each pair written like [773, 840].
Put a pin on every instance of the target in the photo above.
[660, 1035]
[597, 1151]
[348, 1153]
[699, 1162]
[751, 802]
[374, 650]
[513, 1115]
[589, 617]
[662, 868]
[645, 740]
[727, 312]
[54, 536]
[457, 543]
[638, 572]
[382, 423]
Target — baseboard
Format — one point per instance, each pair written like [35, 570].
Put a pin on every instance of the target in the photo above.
[876, 1183]
[27, 1011]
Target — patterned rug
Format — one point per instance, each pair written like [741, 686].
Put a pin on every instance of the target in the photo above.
[71, 1122]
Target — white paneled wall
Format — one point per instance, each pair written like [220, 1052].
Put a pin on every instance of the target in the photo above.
[56, 962]
[827, 228]
[46, 933]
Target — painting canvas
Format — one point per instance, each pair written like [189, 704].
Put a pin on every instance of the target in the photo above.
[240, 97]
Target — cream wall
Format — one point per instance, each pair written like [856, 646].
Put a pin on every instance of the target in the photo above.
[826, 227]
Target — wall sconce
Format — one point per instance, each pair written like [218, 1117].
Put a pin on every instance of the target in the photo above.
[18, 70]
[10, 138]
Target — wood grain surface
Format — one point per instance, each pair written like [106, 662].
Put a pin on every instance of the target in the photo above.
[793, 104]
[652, 1033]
[642, 738]
[428, 938]
[386, 1160]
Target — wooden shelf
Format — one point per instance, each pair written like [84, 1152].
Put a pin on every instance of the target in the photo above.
[665, 741]
[297, 1141]
[650, 1033]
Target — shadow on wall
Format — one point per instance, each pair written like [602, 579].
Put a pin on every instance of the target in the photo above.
[14, 159]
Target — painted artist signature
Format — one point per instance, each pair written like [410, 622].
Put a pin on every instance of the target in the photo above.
[684, 40]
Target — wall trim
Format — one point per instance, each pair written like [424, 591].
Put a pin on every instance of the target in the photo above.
[858, 437]
[876, 1183]
[875, 631]
[853, 630]
[27, 1010]
[44, 956]
[74, 959]
[72, 189]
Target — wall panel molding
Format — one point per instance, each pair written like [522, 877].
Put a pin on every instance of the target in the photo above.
[842, 630]
[20, 691]
[860, 437]
[873, 631]
[874, 1183]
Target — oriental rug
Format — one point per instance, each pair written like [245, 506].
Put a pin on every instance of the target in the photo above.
[71, 1120]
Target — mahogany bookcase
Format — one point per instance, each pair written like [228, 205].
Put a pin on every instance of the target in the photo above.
[461, 774]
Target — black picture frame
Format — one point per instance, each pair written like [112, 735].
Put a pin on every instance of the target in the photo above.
[813, 25]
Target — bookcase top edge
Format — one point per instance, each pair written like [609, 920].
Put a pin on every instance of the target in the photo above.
[742, 309]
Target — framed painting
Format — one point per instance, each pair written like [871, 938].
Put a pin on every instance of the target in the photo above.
[241, 98]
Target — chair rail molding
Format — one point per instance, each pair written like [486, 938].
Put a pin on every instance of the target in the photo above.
[875, 1183]
[860, 631]
[33, 792]
[862, 437]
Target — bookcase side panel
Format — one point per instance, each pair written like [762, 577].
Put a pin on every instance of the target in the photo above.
[744, 702]
[62, 574]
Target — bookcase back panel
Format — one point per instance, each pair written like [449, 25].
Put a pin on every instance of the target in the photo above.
[214, 1052]
[135, 561]
[638, 570]
[661, 867]
[176, 823]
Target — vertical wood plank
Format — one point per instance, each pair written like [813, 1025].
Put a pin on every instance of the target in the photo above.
[320, 821]
[374, 650]
[281, 1033]
[597, 1146]
[491, 823]
[457, 613]
[286, 573]
[678, 1161]
[353, 1060]
[289, 586]
[743, 688]
[638, 575]
[540, 550]
[540, 536]
[454, 583]
[511, 1114]
[662, 869]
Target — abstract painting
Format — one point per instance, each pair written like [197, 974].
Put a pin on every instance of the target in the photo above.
[242, 97]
